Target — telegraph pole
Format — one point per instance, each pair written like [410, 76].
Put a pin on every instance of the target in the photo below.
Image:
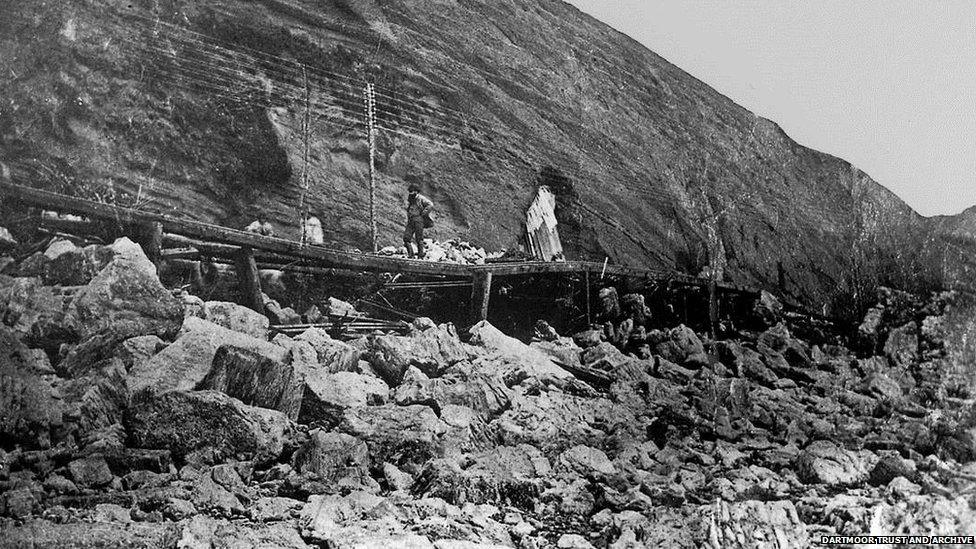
[369, 99]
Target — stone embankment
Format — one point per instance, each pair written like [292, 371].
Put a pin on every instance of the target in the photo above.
[134, 416]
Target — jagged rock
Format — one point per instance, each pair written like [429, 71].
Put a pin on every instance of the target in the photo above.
[556, 421]
[583, 461]
[77, 266]
[138, 350]
[279, 315]
[754, 524]
[184, 421]
[867, 332]
[327, 396]
[59, 485]
[432, 350]
[396, 479]
[95, 401]
[891, 467]
[768, 308]
[485, 394]
[32, 406]
[339, 307]
[329, 456]
[512, 359]
[33, 312]
[208, 494]
[187, 361]
[396, 434]
[125, 297]
[90, 472]
[273, 509]
[333, 355]
[901, 347]
[236, 317]
[588, 338]
[563, 351]
[202, 532]
[679, 343]
[356, 520]
[257, 379]
[880, 386]
[510, 474]
[603, 356]
[823, 462]
[745, 362]
[110, 512]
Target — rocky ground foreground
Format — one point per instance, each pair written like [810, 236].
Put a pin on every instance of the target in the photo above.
[134, 416]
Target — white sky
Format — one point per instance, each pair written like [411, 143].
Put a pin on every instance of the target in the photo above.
[889, 85]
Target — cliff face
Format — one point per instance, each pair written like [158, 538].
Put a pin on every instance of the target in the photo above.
[219, 110]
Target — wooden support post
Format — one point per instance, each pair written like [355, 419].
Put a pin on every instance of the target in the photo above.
[248, 279]
[713, 308]
[586, 280]
[480, 293]
[149, 235]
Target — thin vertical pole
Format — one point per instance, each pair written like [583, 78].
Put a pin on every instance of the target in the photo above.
[586, 280]
[306, 130]
[369, 96]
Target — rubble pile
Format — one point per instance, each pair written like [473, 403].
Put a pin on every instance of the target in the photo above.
[449, 251]
[132, 419]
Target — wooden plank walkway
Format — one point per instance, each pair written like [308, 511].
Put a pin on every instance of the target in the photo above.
[218, 240]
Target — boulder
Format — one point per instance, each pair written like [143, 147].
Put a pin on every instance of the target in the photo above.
[768, 308]
[557, 421]
[753, 524]
[236, 317]
[823, 462]
[603, 356]
[339, 307]
[90, 472]
[77, 266]
[430, 349]
[679, 343]
[582, 461]
[125, 297]
[329, 456]
[33, 312]
[483, 393]
[901, 346]
[333, 355]
[138, 350]
[512, 359]
[588, 338]
[32, 406]
[257, 379]
[187, 361]
[563, 351]
[186, 421]
[95, 401]
[327, 396]
[510, 474]
[399, 435]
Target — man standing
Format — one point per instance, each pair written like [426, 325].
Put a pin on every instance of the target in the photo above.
[419, 208]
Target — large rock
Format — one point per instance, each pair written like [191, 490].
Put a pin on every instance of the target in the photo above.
[236, 317]
[486, 394]
[823, 462]
[183, 422]
[125, 297]
[330, 456]
[512, 359]
[31, 406]
[397, 434]
[563, 351]
[679, 343]
[901, 347]
[77, 266]
[754, 524]
[510, 474]
[187, 361]
[327, 396]
[33, 312]
[333, 355]
[257, 379]
[429, 348]
[95, 401]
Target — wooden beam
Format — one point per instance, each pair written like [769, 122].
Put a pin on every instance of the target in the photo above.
[480, 295]
[248, 280]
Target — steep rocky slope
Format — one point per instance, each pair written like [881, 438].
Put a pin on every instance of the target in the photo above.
[161, 104]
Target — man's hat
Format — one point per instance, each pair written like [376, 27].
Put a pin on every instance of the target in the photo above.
[413, 188]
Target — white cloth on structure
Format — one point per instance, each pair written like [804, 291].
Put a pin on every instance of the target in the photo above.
[313, 231]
